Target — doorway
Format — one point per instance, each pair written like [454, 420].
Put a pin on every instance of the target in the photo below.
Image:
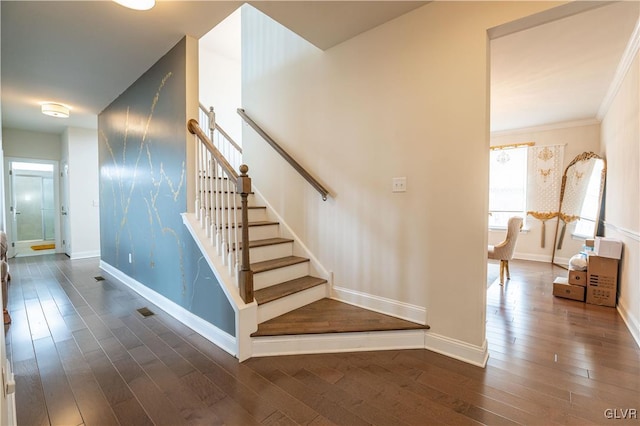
[32, 203]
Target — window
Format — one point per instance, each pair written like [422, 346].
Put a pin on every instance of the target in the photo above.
[507, 185]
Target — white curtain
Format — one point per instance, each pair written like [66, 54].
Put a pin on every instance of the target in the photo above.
[544, 181]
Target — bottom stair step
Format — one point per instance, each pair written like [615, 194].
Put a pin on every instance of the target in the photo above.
[286, 288]
[332, 316]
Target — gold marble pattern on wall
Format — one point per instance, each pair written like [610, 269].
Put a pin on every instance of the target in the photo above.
[125, 178]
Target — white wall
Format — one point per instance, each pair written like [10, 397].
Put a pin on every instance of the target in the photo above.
[29, 144]
[220, 74]
[81, 151]
[408, 98]
[578, 137]
[621, 147]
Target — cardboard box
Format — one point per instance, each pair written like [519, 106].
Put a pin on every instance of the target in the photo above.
[578, 278]
[608, 247]
[562, 288]
[602, 281]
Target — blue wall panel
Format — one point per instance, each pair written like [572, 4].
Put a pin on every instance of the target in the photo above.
[142, 156]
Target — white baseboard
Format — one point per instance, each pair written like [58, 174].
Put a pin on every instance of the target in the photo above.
[406, 311]
[633, 324]
[338, 342]
[209, 331]
[533, 257]
[84, 254]
[476, 355]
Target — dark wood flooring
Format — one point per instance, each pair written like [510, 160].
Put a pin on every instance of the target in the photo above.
[82, 354]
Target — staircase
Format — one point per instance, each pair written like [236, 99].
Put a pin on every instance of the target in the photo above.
[282, 278]
[278, 290]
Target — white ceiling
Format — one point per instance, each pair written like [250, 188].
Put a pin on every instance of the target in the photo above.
[560, 71]
[85, 53]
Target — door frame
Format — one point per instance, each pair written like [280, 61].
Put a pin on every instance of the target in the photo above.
[9, 200]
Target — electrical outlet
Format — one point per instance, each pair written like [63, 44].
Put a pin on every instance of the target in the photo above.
[399, 184]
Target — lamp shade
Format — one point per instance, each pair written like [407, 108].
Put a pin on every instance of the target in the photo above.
[137, 4]
[55, 110]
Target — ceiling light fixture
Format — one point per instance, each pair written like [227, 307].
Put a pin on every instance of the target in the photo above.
[137, 4]
[55, 110]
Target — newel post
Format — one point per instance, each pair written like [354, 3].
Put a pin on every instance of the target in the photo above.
[245, 281]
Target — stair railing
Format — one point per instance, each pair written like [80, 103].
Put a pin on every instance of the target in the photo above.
[313, 181]
[220, 139]
[217, 184]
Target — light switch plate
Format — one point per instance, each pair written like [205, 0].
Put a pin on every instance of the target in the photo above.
[399, 184]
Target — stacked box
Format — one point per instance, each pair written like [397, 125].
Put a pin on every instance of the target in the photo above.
[578, 278]
[562, 288]
[602, 281]
[608, 247]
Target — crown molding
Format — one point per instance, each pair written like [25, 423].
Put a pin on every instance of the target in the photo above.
[547, 127]
[628, 56]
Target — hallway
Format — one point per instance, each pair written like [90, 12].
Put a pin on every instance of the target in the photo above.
[83, 354]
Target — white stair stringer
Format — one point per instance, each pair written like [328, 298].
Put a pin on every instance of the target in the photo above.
[246, 314]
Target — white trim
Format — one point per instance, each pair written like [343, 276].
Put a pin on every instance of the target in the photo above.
[338, 342]
[472, 354]
[628, 56]
[634, 235]
[402, 310]
[533, 257]
[633, 324]
[84, 254]
[246, 314]
[209, 331]
[547, 127]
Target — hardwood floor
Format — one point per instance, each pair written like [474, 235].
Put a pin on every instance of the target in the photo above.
[82, 354]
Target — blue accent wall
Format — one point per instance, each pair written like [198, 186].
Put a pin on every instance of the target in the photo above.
[142, 158]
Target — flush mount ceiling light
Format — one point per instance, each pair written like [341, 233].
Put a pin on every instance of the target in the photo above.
[137, 4]
[55, 110]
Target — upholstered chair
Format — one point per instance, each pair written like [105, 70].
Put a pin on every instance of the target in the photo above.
[504, 250]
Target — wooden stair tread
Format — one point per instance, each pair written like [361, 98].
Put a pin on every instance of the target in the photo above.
[238, 208]
[332, 316]
[265, 242]
[286, 288]
[280, 262]
[257, 223]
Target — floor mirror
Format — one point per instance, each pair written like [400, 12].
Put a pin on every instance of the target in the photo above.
[580, 206]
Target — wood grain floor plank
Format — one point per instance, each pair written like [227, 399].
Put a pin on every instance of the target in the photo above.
[61, 405]
[31, 408]
[93, 405]
[553, 362]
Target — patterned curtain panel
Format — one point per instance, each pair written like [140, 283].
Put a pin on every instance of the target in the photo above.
[544, 180]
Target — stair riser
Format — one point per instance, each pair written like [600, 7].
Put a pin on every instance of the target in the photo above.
[294, 301]
[255, 215]
[274, 251]
[263, 232]
[226, 200]
[279, 275]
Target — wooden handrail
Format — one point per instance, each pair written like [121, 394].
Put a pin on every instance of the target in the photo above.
[243, 188]
[317, 185]
[195, 129]
[222, 132]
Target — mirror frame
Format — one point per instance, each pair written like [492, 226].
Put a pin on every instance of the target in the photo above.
[581, 157]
